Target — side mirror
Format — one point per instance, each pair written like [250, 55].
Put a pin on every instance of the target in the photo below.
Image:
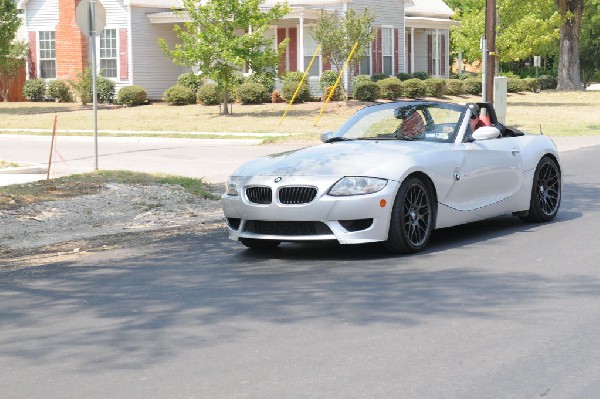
[326, 136]
[486, 133]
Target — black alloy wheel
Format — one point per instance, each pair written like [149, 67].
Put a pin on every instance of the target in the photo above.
[412, 219]
[546, 191]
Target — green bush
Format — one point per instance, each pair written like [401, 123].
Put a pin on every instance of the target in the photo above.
[132, 95]
[516, 85]
[468, 75]
[360, 79]
[404, 76]
[252, 93]
[366, 91]
[292, 76]
[435, 87]
[472, 86]
[83, 86]
[191, 81]
[267, 80]
[59, 90]
[337, 96]
[34, 90]
[532, 84]
[289, 88]
[379, 76]
[413, 88]
[420, 75]
[209, 94]
[455, 87]
[547, 82]
[179, 95]
[326, 83]
[105, 89]
[328, 78]
[390, 88]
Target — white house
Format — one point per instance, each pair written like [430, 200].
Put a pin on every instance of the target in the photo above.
[412, 35]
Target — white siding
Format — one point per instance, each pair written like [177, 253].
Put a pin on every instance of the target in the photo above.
[420, 50]
[390, 14]
[41, 15]
[151, 68]
[116, 18]
[116, 13]
[386, 12]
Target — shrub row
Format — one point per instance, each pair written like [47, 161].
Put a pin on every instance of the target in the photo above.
[64, 91]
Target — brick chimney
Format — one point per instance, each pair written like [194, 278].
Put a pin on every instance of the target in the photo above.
[71, 44]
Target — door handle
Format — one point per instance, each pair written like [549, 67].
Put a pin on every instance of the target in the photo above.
[515, 152]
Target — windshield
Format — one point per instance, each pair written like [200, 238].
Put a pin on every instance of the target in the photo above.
[437, 122]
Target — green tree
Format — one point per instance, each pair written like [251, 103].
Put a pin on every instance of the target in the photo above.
[10, 65]
[223, 35]
[11, 57]
[524, 29]
[9, 24]
[590, 41]
[337, 36]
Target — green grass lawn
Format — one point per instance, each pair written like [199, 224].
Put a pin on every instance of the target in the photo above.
[558, 114]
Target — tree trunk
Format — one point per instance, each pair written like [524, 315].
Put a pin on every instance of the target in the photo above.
[568, 57]
[225, 101]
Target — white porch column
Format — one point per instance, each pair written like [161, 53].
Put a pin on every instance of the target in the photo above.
[301, 46]
[249, 69]
[412, 50]
[437, 52]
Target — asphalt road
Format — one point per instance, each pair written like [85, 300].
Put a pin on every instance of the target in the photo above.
[498, 309]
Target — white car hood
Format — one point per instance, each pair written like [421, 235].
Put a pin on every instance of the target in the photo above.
[346, 158]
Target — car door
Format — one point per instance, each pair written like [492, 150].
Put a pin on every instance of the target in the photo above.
[491, 171]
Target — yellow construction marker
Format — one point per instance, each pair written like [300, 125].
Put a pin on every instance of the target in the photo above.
[336, 82]
[300, 84]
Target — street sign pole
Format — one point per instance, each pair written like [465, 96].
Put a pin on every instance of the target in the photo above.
[94, 73]
[91, 18]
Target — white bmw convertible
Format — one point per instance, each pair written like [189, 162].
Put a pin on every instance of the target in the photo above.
[393, 173]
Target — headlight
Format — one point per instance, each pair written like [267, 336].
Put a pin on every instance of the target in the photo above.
[232, 186]
[357, 186]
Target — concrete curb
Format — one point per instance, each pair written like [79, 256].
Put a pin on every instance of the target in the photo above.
[29, 169]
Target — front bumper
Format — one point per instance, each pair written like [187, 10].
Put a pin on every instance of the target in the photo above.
[349, 220]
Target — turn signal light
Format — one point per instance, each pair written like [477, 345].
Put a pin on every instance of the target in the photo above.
[382, 203]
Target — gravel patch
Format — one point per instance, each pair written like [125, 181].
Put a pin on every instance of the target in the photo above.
[118, 210]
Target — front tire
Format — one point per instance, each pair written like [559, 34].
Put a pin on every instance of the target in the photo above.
[253, 243]
[545, 192]
[413, 217]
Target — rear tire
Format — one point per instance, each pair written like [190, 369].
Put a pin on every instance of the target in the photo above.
[545, 192]
[253, 243]
[413, 217]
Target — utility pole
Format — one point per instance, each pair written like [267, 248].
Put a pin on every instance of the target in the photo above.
[490, 38]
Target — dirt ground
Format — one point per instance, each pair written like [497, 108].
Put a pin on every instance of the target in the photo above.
[118, 216]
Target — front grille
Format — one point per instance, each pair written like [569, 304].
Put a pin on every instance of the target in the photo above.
[259, 195]
[287, 228]
[297, 195]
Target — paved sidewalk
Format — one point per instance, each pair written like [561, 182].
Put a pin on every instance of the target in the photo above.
[211, 159]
